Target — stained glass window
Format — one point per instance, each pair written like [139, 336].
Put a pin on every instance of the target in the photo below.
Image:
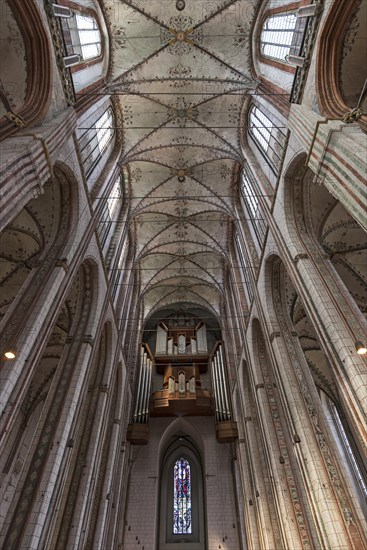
[182, 498]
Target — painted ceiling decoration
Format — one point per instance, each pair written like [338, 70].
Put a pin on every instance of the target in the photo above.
[182, 73]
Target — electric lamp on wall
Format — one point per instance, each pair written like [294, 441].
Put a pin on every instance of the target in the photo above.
[360, 348]
[10, 354]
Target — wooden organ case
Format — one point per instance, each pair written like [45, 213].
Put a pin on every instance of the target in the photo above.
[181, 355]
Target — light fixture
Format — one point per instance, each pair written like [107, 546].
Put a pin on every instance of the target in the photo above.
[361, 348]
[10, 354]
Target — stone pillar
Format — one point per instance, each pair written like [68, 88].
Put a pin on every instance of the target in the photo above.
[332, 509]
[339, 329]
[30, 341]
[288, 496]
[292, 515]
[263, 537]
[336, 154]
[250, 519]
[262, 529]
[27, 160]
[107, 491]
[36, 498]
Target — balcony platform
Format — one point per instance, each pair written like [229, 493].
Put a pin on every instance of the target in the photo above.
[174, 404]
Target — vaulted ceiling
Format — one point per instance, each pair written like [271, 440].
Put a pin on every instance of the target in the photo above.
[182, 72]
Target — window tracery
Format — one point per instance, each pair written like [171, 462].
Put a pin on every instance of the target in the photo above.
[182, 497]
[269, 138]
[252, 206]
[95, 140]
[82, 36]
[110, 211]
[245, 265]
[182, 508]
[277, 36]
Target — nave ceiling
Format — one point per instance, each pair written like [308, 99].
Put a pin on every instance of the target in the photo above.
[182, 73]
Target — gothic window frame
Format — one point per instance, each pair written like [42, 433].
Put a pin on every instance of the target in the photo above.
[111, 209]
[279, 28]
[245, 265]
[182, 524]
[283, 10]
[268, 138]
[181, 447]
[252, 205]
[94, 142]
[72, 35]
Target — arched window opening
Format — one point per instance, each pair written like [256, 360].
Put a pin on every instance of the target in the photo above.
[181, 515]
[94, 141]
[269, 138]
[182, 497]
[110, 212]
[349, 454]
[82, 36]
[252, 206]
[278, 35]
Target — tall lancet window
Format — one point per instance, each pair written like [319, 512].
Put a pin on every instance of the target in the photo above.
[182, 507]
[277, 36]
[182, 497]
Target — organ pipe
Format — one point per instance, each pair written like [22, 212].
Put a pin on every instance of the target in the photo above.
[222, 408]
[136, 412]
[225, 392]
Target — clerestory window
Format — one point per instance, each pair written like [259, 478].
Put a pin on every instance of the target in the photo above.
[252, 205]
[94, 141]
[277, 36]
[110, 212]
[82, 37]
[245, 267]
[269, 138]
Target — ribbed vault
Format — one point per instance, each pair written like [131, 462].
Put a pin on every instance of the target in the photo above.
[182, 72]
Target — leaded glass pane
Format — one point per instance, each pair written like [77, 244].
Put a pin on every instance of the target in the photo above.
[89, 37]
[245, 264]
[82, 36]
[261, 128]
[104, 129]
[114, 198]
[182, 498]
[277, 36]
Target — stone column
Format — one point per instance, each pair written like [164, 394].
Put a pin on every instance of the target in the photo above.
[336, 154]
[338, 329]
[332, 509]
[27, 160]
[292, 516]
[261, 522]
[17, 373]
[36, 498]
